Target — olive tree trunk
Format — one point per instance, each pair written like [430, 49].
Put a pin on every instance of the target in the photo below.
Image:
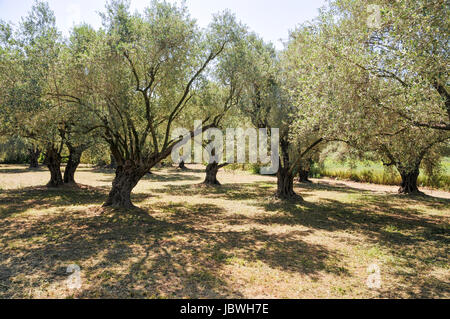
[211, 174]
[53, 162]
[212, 169]
[182, 165]
[409, 181]
[303, 176]
[126, 179]
[285, 184]
[285, 176]
[72, 165]
[34, 154]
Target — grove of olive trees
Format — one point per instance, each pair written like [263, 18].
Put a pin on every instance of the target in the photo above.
[379, 89]
[97, 112]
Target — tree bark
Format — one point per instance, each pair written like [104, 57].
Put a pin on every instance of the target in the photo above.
[303, 176]
[285, 177]
[409, 181]
[182, 166]
[72, 165]
[53, 162]
[285, 184]
[127, 177]
[34, 154]
[211, 174]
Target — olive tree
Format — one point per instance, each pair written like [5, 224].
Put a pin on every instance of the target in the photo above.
[50, 126]
[223, 95]
[349, 103]
[404, 43]
[268, 104]
[137, 77]
[33, 49]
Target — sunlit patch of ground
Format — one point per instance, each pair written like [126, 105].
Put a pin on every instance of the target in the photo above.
[186, 241]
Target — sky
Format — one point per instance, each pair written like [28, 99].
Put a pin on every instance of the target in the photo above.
[271, 19]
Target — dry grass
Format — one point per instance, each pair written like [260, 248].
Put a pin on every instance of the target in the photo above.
[231, 241]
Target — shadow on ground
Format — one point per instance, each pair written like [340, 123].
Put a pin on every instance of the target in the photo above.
[19, 170]
[179, 250]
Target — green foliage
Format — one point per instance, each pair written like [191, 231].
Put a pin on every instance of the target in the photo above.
[30, 53]
[138, 75]
[251, 168]
[375, 173]
[13, 150]
[382, 90]
[359, 85]
[98, 155]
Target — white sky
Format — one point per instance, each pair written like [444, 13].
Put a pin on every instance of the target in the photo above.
[271, 19]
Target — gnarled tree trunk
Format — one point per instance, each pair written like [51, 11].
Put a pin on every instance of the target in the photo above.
[211, 174]
[212, 169]
[285, 176]
[285, 184]
[34, 154]
[303, 176]
[182, 165]
[53, 162]
[127, 177]
[72, 165]
[409, 181]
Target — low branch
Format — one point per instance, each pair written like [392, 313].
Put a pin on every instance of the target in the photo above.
[311, 147]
